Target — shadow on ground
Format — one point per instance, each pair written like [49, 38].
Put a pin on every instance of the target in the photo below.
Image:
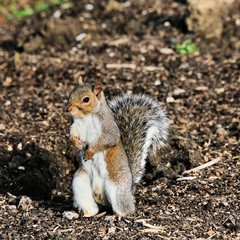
[27, 172]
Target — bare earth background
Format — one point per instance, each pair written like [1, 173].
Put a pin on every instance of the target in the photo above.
[130, 48]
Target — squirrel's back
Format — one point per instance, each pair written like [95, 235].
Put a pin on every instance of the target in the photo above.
[144, 128]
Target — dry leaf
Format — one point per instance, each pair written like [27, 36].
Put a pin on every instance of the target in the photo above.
[25, 203]
[70, 215]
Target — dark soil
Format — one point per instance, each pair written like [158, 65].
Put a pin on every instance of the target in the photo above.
[39, 59]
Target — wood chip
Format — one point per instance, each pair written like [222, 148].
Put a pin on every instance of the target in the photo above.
[100, 214]
[121, 65]
[219, 90]
[7, 82]
[112, 230]
[201, 88]
[2, 127]
[151, 68]
[178, 91]
[119, 41]
[166, 51]
[151, 230]
[66, 230]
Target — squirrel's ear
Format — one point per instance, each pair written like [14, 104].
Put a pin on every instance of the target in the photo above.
[80, 81]
[97, 89]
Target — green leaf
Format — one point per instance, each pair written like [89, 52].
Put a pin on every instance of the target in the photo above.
[66, 5]
[20, 14]
[183, 51]
[186, 47]
[13, 10]
[42, 6]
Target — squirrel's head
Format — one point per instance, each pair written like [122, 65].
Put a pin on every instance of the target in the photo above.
[85, 99]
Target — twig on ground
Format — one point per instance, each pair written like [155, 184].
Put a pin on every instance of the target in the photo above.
[186, 178]
[67, 230]
[152, 228]
[205, 165]
[131, 66]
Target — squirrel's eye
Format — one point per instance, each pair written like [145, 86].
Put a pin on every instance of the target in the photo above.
[86, 99]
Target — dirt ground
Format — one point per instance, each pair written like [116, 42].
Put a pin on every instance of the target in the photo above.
[130, 47]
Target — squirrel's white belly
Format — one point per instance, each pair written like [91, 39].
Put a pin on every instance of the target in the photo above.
[97, 171]
[88, 128]
[96, 165]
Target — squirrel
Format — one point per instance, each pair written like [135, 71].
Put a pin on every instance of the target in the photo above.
[114, 139]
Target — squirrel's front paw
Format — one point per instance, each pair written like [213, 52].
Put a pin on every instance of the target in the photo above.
[77, 142]
[88, 154]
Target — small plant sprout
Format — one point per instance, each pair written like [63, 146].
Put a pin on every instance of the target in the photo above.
[186, 47]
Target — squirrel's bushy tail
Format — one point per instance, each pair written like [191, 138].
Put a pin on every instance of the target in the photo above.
[144, 128]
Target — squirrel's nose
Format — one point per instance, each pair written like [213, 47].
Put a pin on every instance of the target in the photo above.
[69, 108]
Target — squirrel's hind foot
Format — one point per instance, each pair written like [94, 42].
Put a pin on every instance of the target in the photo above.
[89, 214]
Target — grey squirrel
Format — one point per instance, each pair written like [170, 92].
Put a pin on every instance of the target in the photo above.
[115, 139]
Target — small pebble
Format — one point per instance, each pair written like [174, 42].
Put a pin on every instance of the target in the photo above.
[170, 100]
[237, 22]
[184, 66]
[9, 148]
[167, 24]
[80, 37]
[19, 146]
[157, 82]
[7, 103]
[225, 203]
[89, 7]
[21, 168]
[57, 14]
[182, 78]
[221, 131]
[111, 54]
[2, 127]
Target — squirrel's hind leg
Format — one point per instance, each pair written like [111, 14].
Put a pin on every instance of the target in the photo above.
[121, 198]
[83, 194]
